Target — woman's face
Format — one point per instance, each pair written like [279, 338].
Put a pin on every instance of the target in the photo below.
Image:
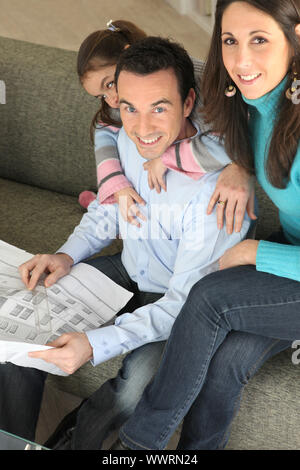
[100, 83]
[255, 50]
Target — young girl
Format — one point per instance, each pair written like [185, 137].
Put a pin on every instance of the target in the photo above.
[234, 320]
[96, 63]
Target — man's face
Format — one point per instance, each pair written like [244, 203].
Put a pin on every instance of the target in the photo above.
[152, 111]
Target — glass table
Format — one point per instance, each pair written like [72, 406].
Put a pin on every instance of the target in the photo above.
[10, 442]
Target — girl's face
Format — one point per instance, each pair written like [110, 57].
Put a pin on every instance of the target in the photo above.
[100, 83]
[255, 50]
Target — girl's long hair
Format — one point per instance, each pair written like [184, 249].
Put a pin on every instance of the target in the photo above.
[101, 49]
[229, 116]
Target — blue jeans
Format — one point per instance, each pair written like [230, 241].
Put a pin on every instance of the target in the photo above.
[20, 399]
[108, 408]
[220, 338]
[112, 404]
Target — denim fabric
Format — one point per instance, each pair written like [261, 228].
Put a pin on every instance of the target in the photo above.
[219, 340]
[112, 404]
[20, 399]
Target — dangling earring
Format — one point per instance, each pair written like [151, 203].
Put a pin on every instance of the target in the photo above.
[230, 91]
[290, 91]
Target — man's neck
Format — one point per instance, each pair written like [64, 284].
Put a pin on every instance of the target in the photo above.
[188, 130]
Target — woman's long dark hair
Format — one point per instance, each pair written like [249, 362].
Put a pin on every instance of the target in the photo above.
[229, 116]
[101, 49]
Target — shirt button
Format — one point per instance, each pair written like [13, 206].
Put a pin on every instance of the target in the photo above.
[142, 272]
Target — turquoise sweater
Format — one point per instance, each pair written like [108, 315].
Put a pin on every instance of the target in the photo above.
[281, 260]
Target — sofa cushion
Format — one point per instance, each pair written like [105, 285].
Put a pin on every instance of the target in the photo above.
[269, 415]
[268, 220]
[44, 132]
[38, 220]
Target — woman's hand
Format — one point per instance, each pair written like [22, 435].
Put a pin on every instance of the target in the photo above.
[156, 171]
[128, 199]
[240, 254]
[235, 190]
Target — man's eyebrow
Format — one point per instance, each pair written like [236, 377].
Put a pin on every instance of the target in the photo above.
[122, 101]
[250, 34]
[161, 101]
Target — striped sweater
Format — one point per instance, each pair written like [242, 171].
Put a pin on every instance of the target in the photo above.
[191, 156]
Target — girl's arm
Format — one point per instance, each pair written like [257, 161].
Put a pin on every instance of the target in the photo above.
[110, 176]
[197, 156]
[113, 186]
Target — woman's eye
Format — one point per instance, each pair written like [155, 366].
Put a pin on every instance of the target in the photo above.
[109, 85]
[259, 40]
[228, 41]
[130, 109]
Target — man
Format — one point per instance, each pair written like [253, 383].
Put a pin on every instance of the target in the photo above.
[176, 245]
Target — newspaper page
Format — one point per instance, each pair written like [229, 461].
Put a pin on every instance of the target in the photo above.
[83, 300]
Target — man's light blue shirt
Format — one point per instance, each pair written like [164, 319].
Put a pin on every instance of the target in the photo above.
[176, 246]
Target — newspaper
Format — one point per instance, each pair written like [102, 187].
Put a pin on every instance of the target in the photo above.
[83, 300]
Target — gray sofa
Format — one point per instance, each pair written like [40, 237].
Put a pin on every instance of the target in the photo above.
[46, 160]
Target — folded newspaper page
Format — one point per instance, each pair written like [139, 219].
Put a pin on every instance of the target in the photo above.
[83, 300]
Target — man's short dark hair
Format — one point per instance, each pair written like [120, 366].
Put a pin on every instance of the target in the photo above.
[153, 54]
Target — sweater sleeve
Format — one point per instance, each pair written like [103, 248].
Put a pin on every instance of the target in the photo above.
[110, 175]
[200, 154]
[197, 156]
[281, 260]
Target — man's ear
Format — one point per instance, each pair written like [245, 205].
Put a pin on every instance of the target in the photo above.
[189, 102]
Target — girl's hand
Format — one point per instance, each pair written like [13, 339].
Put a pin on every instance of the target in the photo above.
[235, 188]
[128, 199]
[240, 254]
[156, 171]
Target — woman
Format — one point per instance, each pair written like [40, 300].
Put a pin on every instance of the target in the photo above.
[254, 62]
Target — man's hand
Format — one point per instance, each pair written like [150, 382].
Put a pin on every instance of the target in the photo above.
[235, 189]
[156, 171]
[128, 199]
[71, 351]
[57, 265]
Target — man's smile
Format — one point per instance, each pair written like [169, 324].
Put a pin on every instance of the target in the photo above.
[148, 142]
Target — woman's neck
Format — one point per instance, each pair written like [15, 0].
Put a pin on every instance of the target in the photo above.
[266, 103]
